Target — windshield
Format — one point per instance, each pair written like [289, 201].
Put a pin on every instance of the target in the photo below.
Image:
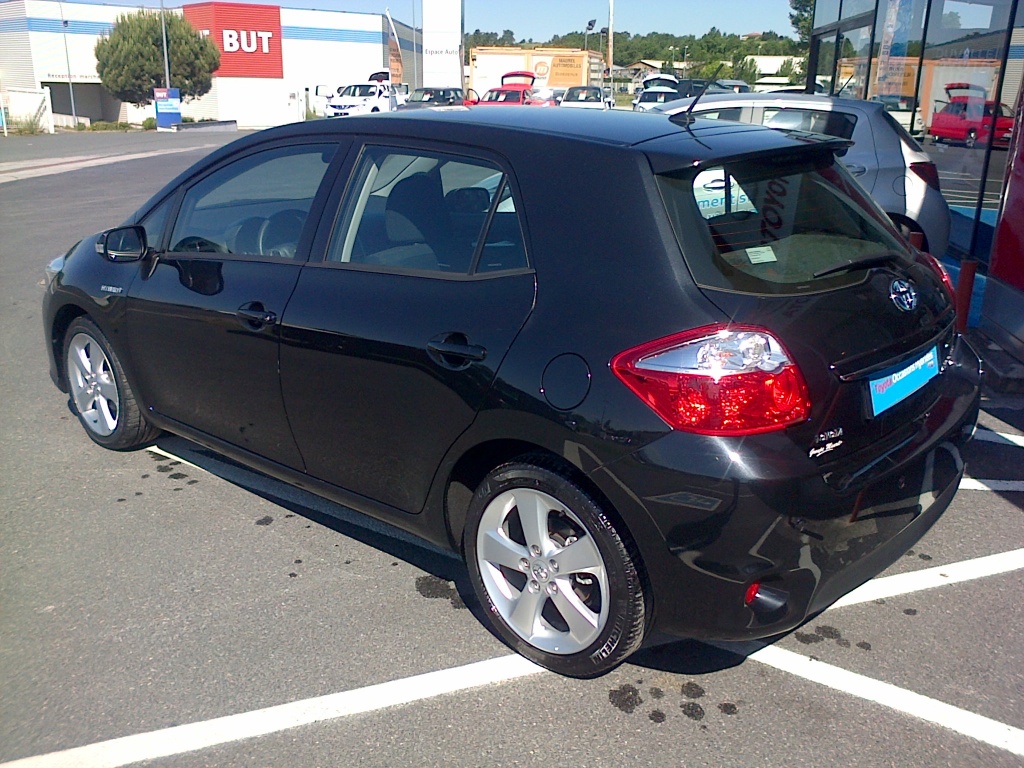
[361, 91]
[503, 95]
[581, 93]
[658, 97]
[434, 94]
[769, 226]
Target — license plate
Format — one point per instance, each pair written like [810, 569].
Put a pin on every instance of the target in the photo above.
[887, 391]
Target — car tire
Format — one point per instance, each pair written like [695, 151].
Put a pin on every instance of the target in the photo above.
[560, 583]
[100, 394]
[971, 139]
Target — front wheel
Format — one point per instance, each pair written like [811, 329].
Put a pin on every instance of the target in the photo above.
[100, 394]
[559, 583]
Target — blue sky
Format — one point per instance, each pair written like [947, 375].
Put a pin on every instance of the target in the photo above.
[540, 19]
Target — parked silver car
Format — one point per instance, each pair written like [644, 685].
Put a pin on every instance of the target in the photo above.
[887, 161]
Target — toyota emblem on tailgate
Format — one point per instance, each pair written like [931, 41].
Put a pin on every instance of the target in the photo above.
[903, 295]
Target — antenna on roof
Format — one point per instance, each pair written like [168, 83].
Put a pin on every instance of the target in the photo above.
[686, 118]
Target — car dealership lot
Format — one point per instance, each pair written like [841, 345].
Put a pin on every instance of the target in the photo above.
[140, 594]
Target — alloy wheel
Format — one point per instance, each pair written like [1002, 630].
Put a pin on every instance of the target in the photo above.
[543, 571]
[93, 385]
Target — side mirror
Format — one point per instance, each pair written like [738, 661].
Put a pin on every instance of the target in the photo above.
[123, 243]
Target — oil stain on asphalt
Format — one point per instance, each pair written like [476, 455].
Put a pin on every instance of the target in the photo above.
[824, 632]
[436, 588]
[628, 698]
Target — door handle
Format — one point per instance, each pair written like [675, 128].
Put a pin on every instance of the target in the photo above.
[255, 316]
[857, 170]
[466, 351]
[453, 351]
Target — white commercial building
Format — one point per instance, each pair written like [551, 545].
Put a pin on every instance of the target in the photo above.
[270, 56]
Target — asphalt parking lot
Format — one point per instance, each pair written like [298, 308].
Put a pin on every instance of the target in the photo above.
[166, 607]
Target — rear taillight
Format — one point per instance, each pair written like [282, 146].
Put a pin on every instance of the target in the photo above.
[717, 381]
[928, 172]
[938, 270]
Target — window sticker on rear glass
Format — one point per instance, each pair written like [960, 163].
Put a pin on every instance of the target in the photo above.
[761, 254]
[709, 188]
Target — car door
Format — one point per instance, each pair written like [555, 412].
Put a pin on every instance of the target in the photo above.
[391, 341]
[203, 321]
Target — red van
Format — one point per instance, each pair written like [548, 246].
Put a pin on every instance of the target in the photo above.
[968, 117]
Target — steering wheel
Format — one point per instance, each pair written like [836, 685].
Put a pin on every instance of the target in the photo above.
[197, 244]
[279, 235]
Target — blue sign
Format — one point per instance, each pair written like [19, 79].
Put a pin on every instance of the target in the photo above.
[899, 385]
[168, 107]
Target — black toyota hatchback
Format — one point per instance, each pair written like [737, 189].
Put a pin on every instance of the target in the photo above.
[642, 374]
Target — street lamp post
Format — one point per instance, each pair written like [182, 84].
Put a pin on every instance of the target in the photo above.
[686, 50]
[167, 64]
[611, 41]
[67, 60]
[586, 34]
[672, 58]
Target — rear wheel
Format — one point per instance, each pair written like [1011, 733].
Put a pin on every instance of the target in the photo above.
[560, 584]
[100, 394]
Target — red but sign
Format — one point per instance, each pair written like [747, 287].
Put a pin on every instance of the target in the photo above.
[247, 36]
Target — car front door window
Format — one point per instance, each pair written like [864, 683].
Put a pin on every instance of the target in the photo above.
[255, 206]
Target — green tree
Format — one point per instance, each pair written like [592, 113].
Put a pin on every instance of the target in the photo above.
[802, 19]
[789, 69]
[130, 60]
[746, 70]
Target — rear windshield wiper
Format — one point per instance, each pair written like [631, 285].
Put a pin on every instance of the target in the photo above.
[862, 263]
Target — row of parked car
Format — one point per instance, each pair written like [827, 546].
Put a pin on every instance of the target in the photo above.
[516, 89]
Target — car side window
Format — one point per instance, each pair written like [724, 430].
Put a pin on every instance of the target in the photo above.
[254, 206]
[412, 209]
[730, 113]
[155, 222]
[839, 124]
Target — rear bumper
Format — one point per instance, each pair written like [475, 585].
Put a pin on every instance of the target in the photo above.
[729, 513]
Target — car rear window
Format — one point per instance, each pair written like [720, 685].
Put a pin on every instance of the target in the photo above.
[905, 137]
[829, 122]
[766, 227]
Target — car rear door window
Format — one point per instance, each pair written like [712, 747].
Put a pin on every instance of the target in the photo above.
[726, 113]
[421, 210]
[830, 123]
[769, 227]
[254, 206]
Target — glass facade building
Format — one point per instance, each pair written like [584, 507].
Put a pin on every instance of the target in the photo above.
[950, 72]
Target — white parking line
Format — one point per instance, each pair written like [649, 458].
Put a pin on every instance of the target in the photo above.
[973, 484]
[930, 710]
[929, 578]
[200, 735]
[16, 171]
[260, 722]
[194, 736]
[987, 435]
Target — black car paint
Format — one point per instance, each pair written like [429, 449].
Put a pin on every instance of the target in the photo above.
[755, 506]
